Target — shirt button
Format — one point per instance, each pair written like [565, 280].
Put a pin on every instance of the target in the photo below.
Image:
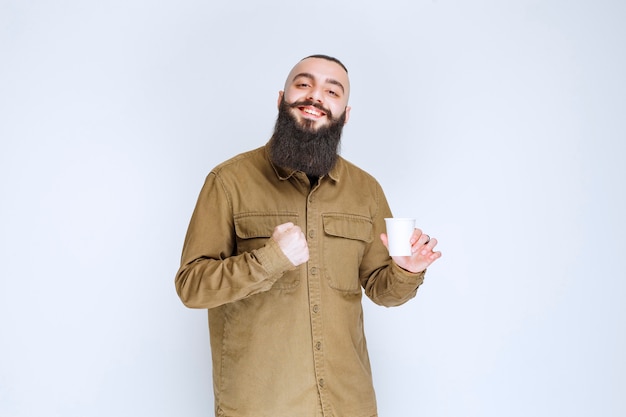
[321, 382]
[311, 234]
[318, 345]
[316, 308]
[314, 271]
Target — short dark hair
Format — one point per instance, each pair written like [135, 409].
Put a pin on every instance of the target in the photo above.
[328, 58]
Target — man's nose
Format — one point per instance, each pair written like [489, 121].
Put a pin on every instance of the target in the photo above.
[315, 94]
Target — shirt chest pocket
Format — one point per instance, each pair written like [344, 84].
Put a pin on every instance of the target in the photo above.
[345, 239]
[252, 231]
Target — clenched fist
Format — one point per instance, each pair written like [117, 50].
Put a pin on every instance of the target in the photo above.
[292, 242]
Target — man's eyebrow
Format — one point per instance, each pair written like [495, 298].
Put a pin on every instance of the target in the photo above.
[328, 80]
[335, 82]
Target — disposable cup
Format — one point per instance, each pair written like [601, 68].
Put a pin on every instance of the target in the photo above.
[399, 232]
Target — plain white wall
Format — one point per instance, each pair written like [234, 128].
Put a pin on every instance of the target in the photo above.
[499, 125]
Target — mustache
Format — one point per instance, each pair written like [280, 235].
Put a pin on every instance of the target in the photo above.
[311, 103]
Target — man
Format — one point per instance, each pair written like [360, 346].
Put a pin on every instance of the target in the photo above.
[281, 244]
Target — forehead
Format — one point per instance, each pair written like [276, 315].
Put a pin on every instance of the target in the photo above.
[322, 69]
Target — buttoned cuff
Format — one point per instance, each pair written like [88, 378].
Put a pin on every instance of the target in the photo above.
[407, 276]
[273, 260]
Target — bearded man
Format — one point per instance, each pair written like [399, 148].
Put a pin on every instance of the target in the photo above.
[283, 242]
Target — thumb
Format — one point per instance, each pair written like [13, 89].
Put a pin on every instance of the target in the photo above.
[281, 228]
[383, 238]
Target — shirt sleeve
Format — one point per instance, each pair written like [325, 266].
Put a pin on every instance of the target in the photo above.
[383, 281]
[210, 274]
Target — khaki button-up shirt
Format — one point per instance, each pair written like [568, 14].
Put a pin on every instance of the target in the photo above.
[288, 341]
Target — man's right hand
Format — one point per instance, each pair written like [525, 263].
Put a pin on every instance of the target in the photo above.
[292, 242]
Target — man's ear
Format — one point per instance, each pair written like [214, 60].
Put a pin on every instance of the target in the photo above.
[348, 108]
[280, 98]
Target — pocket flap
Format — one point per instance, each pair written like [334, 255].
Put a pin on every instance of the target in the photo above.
[254, 225]
[349, 226]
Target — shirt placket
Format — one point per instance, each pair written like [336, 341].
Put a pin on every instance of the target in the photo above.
[314, 273]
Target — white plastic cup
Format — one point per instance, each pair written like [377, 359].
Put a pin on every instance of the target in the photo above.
[399, 232]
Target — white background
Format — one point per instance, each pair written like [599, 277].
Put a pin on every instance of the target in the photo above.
[500, 125]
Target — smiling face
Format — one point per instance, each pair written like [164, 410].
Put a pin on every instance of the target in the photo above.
[318, 89]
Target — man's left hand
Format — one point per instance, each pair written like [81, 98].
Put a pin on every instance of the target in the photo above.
[422, 247]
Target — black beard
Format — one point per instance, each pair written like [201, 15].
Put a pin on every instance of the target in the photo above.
[302, 148]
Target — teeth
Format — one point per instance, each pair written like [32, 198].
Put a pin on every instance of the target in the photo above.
[312, 111]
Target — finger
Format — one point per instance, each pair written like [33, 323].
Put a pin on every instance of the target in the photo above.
[281, 228]
[434, 256]
[415, 236]
[428, 248]
[419, 241]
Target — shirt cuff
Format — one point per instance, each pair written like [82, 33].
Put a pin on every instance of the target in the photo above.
[272, 259]
[407, 276]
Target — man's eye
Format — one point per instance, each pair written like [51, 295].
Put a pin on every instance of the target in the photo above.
[302, 85]
[332, 93]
